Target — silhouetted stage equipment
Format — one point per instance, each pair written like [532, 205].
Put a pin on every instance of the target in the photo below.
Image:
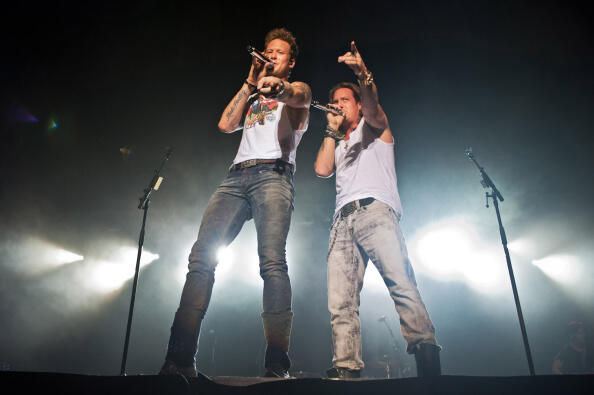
[487, 183]
[66, 384]
[144, 206]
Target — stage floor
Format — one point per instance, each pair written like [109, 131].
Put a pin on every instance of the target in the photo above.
[58, 383]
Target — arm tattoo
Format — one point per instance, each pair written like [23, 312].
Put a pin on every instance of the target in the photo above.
[235, 103]
[305, 87]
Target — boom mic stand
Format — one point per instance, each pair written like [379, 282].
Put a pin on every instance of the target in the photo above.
[144, 205]
[486, 182]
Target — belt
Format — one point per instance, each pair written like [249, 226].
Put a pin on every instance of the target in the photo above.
[351, 207]
[254, 162]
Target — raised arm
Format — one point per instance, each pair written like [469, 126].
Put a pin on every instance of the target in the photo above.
[372, 110]
[235, 111]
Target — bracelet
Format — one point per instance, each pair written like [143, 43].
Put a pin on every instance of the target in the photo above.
[365, 78]
[250, 85]
[337, 135]
[280, 91]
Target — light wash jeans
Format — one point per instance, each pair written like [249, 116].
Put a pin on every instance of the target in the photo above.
[371, 233]
[264, 193]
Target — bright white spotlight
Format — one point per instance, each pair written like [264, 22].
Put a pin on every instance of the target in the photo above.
[225, 259]
[182, 272]
[60, 256]
[483, 271]
[224, 256]
[565, 269]
[452, 250]
[108, 276]
[250, 272]
[523, 247]
[441, 250]
[126, 255]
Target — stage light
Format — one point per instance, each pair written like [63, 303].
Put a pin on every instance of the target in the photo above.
[182, 272]
[224, 256]
[440, 250]
[484, 271]
[58, 256]
[250, 272]
[247, 271]
[126, 255]
[225, 259]
[42, 255]
[523, 247]
[111, 274]
[452, 251]
[566, 269]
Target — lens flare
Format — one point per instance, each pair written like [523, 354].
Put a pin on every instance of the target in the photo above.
[225, 259]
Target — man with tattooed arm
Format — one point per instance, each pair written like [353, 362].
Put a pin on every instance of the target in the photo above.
[259, 185]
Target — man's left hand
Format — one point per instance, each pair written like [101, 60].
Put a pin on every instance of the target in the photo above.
[354, 60]
[270, 86]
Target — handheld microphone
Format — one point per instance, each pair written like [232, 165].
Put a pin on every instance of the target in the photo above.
[258, 55]
[316, 104]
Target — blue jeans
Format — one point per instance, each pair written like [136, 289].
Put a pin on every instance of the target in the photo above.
[262, 192]
[371, 233]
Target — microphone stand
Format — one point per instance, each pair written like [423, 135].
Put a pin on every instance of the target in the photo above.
[144, 205]
[486, 182]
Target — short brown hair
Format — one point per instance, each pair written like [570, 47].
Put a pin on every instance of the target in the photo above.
[348, 85]
[285, 35]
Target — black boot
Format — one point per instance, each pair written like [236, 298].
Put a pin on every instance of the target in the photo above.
[277, 331]
[427, 358]
[276, 362]
[171, 368]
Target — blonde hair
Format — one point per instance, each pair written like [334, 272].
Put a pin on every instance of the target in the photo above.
[285, 35]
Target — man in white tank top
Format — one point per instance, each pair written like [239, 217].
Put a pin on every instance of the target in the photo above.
[275, 114]
[359, 148]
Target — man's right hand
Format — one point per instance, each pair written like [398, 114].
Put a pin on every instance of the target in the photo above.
[334, 120]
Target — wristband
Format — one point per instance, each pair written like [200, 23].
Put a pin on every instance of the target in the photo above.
[337, 135]
[250, 85]
[280, 91]
[365, 78]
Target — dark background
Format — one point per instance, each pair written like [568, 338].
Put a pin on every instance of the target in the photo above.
[511, 78]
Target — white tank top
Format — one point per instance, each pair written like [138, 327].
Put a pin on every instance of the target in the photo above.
[268, 134]
[365, 168]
